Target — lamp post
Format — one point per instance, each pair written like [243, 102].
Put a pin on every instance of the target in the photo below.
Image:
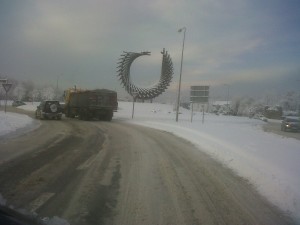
[58, 76]
[179, 85]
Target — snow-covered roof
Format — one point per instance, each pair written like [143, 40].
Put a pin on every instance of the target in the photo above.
[221, 102]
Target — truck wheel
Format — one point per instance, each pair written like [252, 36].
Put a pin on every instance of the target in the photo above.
[82, 115]
[68, 112]
[109, 116]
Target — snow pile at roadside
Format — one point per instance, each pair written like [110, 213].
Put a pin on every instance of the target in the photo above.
[30, 106]
[267, 160]
[10, 122]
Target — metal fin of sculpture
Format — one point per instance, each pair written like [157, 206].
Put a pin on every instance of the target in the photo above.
[123, 70]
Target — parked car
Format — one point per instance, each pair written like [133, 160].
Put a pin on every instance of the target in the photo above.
[49, 109]
[17, 103]
[263, 118]
[291, 124]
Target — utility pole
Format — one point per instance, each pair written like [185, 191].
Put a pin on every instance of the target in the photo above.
[179, 85]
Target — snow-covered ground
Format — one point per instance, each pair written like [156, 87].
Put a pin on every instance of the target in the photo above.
[269, 161]
[11, 122]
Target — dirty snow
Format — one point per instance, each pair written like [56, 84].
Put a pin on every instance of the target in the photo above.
[269, 161]
[46, 220]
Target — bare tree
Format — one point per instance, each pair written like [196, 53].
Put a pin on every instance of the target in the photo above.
[48, 93]
[35, 95]
[19, 92]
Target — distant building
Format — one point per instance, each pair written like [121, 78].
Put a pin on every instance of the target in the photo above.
[221, 103]
[221, 107]
[273, 112]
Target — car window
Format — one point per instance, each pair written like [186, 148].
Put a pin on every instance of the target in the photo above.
[292, 120]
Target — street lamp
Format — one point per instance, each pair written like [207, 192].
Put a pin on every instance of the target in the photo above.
[179, 85]
[58, 76]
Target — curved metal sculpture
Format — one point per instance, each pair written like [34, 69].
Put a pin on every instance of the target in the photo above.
[144, 93]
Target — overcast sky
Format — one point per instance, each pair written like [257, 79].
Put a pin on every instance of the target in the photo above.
[251, 45]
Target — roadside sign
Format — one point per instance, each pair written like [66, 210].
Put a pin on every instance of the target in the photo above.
[3, 81]
[6, 86]
[199, 94]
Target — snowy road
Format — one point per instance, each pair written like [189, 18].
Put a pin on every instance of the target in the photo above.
[117, 173]
[274, 127]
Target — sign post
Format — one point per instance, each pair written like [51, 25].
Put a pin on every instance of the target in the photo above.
[6, 87]
[134, 96]
[202, 114]
[192, 111]
[199, 94]
[2, 81]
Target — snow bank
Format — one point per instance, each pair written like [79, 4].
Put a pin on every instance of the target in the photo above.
[30, 106]
[269, 161]
[10, 122]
